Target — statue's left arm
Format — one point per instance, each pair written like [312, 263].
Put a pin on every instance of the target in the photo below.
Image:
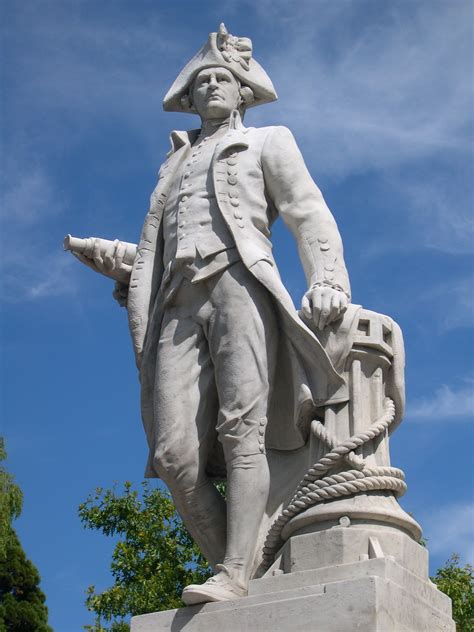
[299, 201]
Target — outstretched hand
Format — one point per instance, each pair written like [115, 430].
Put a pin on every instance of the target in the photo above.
[323, 305]
[110, 263]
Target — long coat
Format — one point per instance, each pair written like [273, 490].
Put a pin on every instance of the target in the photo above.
[258, 174]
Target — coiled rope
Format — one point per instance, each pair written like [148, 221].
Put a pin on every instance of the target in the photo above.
[315, 487]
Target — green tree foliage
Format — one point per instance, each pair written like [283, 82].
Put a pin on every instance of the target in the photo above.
[11, 501]
[458, 583]
[153, 560]
[22, 607]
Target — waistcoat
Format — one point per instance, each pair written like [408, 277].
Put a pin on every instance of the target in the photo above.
[196, 237]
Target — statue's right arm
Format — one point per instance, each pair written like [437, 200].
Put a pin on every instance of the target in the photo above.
[110, 258]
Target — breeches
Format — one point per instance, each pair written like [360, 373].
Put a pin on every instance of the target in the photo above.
[215, 364]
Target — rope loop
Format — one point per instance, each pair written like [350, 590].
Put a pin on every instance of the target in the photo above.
[315, 487]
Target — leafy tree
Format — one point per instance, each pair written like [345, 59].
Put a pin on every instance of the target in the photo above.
[11, 501]
[458, 583]
[154, 559]
[22, 607]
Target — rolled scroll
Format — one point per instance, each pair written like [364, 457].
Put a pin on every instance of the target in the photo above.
[85, 247]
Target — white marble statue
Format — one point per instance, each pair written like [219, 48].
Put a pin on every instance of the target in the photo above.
[237, 383]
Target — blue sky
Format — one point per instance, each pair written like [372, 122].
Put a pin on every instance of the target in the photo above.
[379, 97]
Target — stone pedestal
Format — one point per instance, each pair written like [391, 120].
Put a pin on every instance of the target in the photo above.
[365, 590]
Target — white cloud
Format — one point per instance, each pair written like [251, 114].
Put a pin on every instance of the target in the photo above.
[368, 94]
[450, 529]
[391, 95]
[34, 275]
[71, 70]
[29, 197]
[452, 303]
[29, 270]
[446, 403]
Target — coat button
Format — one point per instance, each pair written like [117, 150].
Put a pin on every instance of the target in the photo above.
[232, 180]
[238, 215]
[234, 201]
[240, 224]
[324, 247]
[232, 162]
[232, 172]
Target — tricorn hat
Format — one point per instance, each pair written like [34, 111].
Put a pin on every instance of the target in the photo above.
[223, 50]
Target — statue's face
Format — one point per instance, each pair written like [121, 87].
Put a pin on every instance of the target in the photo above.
[215, 93]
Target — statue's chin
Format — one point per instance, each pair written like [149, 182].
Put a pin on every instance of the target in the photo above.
[216, 110]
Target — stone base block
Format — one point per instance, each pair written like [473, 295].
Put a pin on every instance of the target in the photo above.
[342, 545]
[375, 595]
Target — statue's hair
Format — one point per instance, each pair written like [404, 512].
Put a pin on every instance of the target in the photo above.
[246, 94]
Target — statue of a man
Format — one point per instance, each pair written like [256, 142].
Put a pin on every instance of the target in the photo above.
[228, 367]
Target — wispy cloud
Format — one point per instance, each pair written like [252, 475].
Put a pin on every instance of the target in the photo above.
[71, 71]
[395, 89]
[390, 94]
[29, 197]
[451, 303]
[446, 403]
[29, 270]
[34, 275]
[450, 529]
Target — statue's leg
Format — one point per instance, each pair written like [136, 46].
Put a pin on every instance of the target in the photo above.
[243, 337]
[185, 405]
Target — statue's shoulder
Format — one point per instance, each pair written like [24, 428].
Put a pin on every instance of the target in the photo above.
[270, 137]
[279, 133]
[272, 142]
[269, 130]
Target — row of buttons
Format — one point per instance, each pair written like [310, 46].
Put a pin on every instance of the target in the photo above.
[233, 180]
[186, 174]
[261, 435]
[182, 208]
[184, 185]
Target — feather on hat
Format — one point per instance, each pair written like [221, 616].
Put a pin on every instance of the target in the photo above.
[223, 50]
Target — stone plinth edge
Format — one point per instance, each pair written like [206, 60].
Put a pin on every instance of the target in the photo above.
[375, 595]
